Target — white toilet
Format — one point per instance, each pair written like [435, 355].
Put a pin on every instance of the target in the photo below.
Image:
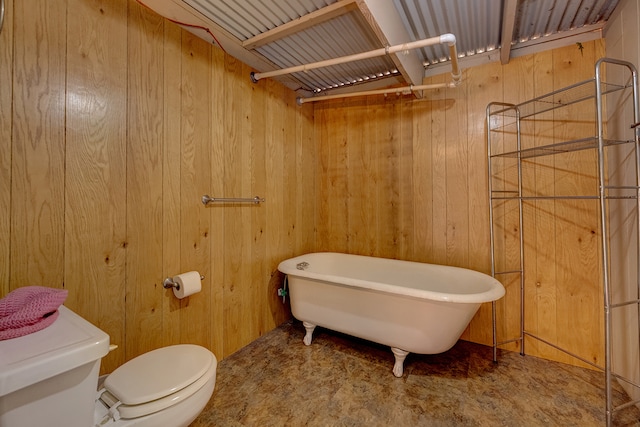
[50, 377]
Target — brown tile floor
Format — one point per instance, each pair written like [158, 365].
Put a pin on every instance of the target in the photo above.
[344, 381]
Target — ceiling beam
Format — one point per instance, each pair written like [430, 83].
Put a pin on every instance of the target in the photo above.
[307, 21]
[193, 21]
[508, 24]
[583, 34]
[384, 19]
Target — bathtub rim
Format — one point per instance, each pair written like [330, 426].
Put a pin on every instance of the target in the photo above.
[495, 292]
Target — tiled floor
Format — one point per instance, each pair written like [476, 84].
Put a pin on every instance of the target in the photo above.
[344, 381]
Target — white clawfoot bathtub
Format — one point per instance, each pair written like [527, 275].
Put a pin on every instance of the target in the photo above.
[409, 306]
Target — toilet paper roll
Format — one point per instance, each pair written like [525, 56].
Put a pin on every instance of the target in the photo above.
[188, 284]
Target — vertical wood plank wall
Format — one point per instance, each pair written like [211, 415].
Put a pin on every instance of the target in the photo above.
[6, 114]
[623, 42]
[108, 143]
[114, 123]
[407, 179]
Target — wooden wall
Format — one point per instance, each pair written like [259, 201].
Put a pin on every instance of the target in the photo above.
[407, 179]
[114, 123]
[623, 42]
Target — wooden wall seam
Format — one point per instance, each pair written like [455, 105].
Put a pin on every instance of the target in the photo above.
[447, 193]
[120, 122]
[113, 141]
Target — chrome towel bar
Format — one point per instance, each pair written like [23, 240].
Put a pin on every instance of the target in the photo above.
[1, 14]
[207, 199]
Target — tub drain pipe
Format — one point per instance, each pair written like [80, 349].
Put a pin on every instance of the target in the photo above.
[282, 292]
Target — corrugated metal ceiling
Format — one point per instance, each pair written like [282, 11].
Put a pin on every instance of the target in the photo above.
[540, 18]
[478, 25]
[248, 18]
[303, 47]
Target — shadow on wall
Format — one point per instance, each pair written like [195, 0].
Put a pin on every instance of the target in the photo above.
[275, 302]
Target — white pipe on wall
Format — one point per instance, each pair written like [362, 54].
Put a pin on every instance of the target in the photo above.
[397, 90]
[449, 39]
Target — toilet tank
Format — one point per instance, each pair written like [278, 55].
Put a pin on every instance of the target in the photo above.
[49, 377]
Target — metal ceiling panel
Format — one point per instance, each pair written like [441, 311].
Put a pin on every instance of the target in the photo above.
[477, 24]
[345, 35]
[248, 18]
[540, 18]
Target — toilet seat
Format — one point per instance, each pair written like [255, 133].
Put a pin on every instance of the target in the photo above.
[157, 380]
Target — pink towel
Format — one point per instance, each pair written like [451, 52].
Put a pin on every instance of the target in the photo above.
[29, 309]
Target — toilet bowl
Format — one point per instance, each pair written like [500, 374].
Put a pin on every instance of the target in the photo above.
[50, 377]
[165, 387]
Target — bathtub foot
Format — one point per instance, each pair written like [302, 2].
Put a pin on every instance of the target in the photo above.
[398, 367]
[309, 327]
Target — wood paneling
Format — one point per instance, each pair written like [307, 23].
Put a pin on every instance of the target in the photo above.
[113, 140]
[577, 230]
[171, 185]
[487, 83]
[95, 234]
[38, 143]
[6, 113]
[195, 167]
[541, 285]
[623, 42]
[442, 180]
[438, 168]
[144, 186]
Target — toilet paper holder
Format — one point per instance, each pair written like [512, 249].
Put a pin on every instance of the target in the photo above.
[169, 283]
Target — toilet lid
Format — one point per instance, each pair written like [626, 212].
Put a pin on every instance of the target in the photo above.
[158, 373]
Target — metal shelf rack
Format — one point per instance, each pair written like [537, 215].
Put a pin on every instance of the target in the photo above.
[502, 116]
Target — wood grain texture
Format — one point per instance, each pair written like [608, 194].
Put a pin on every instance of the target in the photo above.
[171, 173]
[577, 229]
[114, 140]
[457, 178]
[623, 42]
[195, 166]
[541, 283]
[6, 113]
[407, 211]
[517, 88]
[144, 185]
[446, 193]
[361, 204]
[275, 187]
[439, 174]
[38, 144]
[217, 216]
[106, 174]
[260, 268]
[306, 160]
[487, 84]
[95, 167]
[421, 167]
